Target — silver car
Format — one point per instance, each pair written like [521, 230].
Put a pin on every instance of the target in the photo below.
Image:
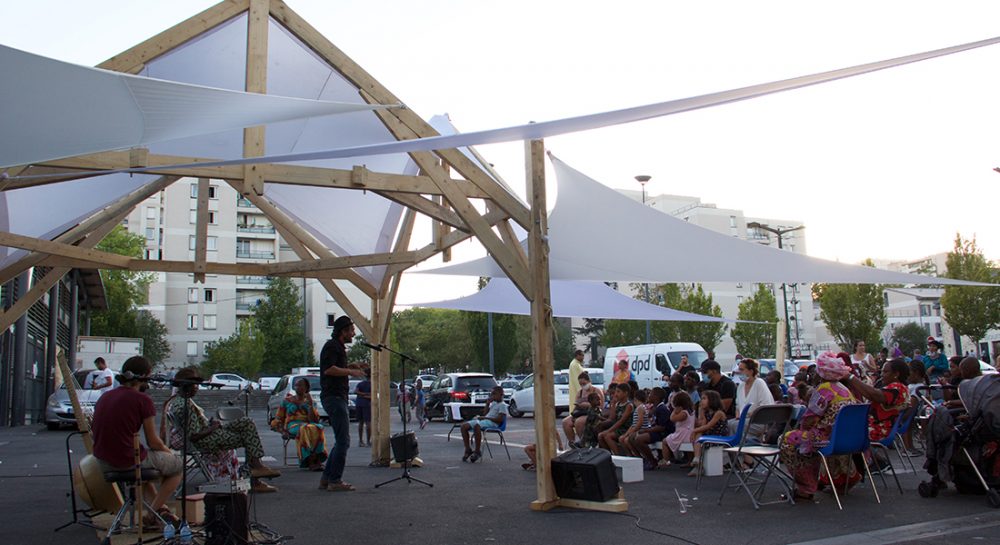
[285, 386]
[59, 410]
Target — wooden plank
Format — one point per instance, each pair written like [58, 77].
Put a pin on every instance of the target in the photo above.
[611, 506]
[541, 325]
[381, 409]
[113, 160]
[174, 36]
[74, 235]
[96, 258]
[201, 232]
[429, 208]
[374, 181]
[256, 82]
[402, 245]
[325, 264]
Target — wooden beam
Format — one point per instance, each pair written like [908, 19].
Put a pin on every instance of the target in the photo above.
[74, 235]
[402, 245]
[256, 82]
[175, 36]
[201, 232]
[324, 264]
[114, 160]
[429, 208]
[280, 219]
[344, 179]
[96, 258]
[541, 325]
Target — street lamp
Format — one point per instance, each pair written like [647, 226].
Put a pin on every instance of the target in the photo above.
[642, 179]
[784, 293]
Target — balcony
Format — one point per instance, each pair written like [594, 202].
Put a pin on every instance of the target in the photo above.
[260, 280]
[244, 203]
[258, 229]
[246, 254]
[244, 306]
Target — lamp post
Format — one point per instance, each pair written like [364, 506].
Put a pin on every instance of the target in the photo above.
[784, 294]
[642, 179]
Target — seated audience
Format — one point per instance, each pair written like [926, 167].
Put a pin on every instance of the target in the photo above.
[682, 419]
[620, 418]
[660, 427]
[712, 421]
[691, 382]
[573, 424]
[887, 401]
[493, 417]
[531, 451]
[641, 421]
[297, 418]
[592, 423]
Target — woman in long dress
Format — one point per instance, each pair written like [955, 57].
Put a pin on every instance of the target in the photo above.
[297, 418]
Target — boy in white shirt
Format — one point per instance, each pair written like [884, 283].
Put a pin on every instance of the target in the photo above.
[495, 416]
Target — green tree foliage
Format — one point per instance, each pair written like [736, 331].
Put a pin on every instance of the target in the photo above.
[707, 334]
[910, 336]
[278, 318]
[687, 298]
[505, 341]
[124, 292]
[852, 312]
[357, 352]
[242, 352]
[436, 338]
[756, 340]
[971, 311]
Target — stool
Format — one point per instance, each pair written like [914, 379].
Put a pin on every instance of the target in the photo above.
[630, 466]
[127, 478]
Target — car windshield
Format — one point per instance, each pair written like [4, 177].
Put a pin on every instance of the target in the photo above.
[313, 382]
[695, 357]
[80, 377]
[561, 378]
[596, 377]
[509, 384]
[471, 384]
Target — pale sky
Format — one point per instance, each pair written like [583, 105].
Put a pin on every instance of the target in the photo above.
[886, 165]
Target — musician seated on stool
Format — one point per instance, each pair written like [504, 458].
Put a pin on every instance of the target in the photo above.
[494, 416]
[119, 415]
[213, 436]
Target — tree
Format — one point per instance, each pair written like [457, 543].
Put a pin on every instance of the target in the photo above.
[853, 312]
[707, 334]
[756, 340]
[910, 336]
[505, 340]
[434, 337]
[154, 336]
[357, 352]
[242, 352]
[278, 318]
[971, 310]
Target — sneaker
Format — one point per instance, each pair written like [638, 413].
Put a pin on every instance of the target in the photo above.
[260, 487]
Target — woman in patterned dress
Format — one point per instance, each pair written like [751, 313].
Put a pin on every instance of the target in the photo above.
[888, 401]
[297, 418]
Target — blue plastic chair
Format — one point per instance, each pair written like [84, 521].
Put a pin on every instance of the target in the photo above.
[721, 440]
[849, 436]
[893, 440]
[499, 431]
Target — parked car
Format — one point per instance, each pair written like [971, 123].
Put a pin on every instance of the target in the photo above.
[267, 384]
[523, 400]
[426, 381]
[470, 391]
[59, 410]
[232, 381]
[768, 365]
[509, 386]
[285, 386]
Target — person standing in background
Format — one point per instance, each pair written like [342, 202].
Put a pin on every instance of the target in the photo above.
[575, 368]
[100, 379]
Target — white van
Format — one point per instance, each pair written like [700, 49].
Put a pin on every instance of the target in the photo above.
[650, 362]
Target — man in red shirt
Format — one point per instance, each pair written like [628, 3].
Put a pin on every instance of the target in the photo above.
[120, 414]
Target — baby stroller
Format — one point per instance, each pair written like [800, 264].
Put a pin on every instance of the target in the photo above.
[963, 446]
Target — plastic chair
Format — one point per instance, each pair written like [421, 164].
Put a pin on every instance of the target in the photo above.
[894, 440]
[908, 417]
[499, 431]
[720, 440]
[849, 436]
[775, 419]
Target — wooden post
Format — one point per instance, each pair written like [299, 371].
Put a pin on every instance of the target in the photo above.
[541, 329]
[256, 82]
[201, 232]
[380, 389]
[779, 357]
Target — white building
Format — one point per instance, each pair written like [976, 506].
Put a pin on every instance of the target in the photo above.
[238, 232]
[729, 295]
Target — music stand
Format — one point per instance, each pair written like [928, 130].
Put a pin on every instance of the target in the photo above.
[405, 463]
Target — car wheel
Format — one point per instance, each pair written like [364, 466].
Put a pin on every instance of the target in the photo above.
[52, 426]
[446, 413]
[512, 409]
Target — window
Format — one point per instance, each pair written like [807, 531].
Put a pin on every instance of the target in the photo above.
[732, 222]
[150, 233]
[192, 348]
[937, 329]
[739, 299]
[213, 191]
[330, 318]
[192, 321]
[192, 295]
[209, 321]
[207, 347]
[925, 310]
[212, 218]
[211, 243]
[209, 296]
[150, 213]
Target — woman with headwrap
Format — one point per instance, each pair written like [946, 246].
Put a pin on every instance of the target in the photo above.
[799, 446]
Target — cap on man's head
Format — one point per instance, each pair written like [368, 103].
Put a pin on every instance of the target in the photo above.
[710, 365]
[341, 324]
[936, 343]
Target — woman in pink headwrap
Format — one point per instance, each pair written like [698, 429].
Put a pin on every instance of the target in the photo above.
[798, 448]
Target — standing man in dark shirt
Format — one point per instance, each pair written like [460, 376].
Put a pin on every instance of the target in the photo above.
[334, 373]
[713, 379]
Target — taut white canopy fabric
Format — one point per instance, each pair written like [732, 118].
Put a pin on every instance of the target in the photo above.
[570, 299]
[53, 109]
[594, 235]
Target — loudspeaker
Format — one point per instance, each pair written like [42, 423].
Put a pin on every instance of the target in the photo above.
[585, 474]
[404, 447]
[227, 519]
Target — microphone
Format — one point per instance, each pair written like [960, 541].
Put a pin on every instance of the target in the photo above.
[375, 347]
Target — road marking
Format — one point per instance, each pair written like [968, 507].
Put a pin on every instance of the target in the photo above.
[912, 532]
[509, 444]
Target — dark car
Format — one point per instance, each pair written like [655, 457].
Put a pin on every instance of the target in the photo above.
[456, 396]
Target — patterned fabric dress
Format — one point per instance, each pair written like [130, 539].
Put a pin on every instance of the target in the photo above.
[301, 420]
[798, 447]
[240, 433]
[883, 415]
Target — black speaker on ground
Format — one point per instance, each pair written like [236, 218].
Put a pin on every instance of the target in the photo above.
[404, 446]
[585, 474]
[227, 519]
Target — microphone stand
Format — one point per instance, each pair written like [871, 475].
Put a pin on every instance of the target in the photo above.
[406, 462]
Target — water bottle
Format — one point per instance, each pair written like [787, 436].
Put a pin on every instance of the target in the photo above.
[168, 532]
[185, 534]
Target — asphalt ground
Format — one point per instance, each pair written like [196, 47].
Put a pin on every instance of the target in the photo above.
[488, 502]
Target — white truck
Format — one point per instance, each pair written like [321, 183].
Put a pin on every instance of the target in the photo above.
[650, 362]
[114, 350]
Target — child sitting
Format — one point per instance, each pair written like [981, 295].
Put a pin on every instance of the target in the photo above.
[641, 422]
[620, 418]
[590, 426]
[712, 421]
[683, 419]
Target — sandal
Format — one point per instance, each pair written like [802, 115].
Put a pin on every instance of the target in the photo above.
[465, 458]
[340, 487]
[475, 456]
[528, 466]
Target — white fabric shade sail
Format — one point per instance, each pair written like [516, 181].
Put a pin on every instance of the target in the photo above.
[570, 299]
[599, 246]
[53, 109]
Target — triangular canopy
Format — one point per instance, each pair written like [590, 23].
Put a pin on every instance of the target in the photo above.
[606, 244]
[570, 299]
[61, 109]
